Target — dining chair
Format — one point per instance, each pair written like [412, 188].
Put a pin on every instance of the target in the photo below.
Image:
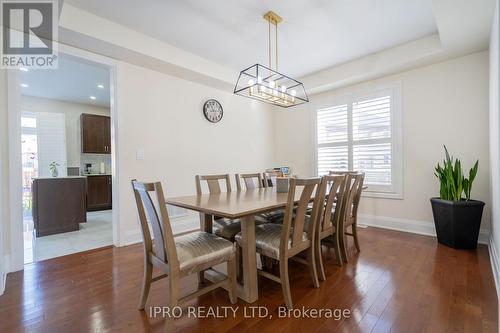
[178, 256]
[285, 241]
[330, 214]
[270, 177]
[353, 189]
[269, 180]
[213, 182]
[222, 227]
[251, 180]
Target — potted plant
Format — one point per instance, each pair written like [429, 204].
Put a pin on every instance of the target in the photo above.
[53, 169]
[457, 219]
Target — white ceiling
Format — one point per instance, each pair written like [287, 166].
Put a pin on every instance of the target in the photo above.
[314, 35]
[75, 80]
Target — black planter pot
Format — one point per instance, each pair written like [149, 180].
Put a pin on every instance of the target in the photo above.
[457, 222]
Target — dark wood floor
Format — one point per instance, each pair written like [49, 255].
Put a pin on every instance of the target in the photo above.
[399, 283]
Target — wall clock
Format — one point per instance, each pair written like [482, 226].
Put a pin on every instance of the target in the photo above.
[213, 111]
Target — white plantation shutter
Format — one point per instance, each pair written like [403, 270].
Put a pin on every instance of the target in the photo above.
[372, 139]
[361, 135]
[332, 158]
[51, 142]
[332, 124]
[332, 139]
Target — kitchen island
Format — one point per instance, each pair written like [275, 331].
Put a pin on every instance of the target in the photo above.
[59, 204]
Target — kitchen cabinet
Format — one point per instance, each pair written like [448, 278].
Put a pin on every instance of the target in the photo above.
[99, 195]
[96, 134]
[58, 204]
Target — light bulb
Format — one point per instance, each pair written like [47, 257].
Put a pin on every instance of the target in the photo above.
[259, 80]
[250, 84]
[272, 84]
[293, 93]
[283, 88]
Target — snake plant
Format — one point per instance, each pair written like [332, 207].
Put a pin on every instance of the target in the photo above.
[452, 180]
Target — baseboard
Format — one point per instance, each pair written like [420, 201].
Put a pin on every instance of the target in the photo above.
[412, 226]
[495, 264]
[179, 224]
[3, 280]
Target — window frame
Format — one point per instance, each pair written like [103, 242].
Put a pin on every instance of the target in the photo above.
[395, 190]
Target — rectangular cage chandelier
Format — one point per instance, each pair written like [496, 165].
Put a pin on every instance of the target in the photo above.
[268, 85]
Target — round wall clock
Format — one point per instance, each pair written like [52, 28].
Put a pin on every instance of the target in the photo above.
[213, 111]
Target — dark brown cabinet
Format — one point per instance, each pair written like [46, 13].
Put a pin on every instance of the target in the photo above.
[99, 193]
[58, 204]
[96, 134]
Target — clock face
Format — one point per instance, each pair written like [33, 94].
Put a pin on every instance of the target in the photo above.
[212, 111]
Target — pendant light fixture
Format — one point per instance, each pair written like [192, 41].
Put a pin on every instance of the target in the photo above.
[267, 84]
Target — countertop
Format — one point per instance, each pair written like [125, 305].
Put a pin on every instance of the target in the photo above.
[83, 176]
[65, 177]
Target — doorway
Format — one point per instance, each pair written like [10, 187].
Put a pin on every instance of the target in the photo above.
[50, 106]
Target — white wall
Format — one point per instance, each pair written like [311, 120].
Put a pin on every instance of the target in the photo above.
[495, 144]
[72, 112]
[444, 103]
[161, 116]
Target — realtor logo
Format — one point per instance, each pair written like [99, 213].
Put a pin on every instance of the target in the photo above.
[29, 34]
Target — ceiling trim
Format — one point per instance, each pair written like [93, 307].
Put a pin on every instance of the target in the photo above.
[82, 29]
[96, 34]
[463, 28]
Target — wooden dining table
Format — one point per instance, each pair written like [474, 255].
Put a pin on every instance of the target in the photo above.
[243, 205]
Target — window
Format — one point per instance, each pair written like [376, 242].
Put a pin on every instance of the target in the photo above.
[363, 132]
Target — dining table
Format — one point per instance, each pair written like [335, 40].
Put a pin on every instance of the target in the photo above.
[242, 205]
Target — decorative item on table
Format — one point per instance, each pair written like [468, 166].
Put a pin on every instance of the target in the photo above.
[457, 219]
[53, 169]
[284, 170]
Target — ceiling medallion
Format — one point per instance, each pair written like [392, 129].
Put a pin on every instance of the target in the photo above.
[267, 84]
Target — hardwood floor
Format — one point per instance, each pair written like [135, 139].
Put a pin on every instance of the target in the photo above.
[398, 283]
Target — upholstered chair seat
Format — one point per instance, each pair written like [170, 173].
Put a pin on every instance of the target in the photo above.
[276, 216]
[268, 239]
[198, 247]
[227, 228]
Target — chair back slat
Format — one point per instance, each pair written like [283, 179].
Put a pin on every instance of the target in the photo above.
[213, 186]
[213, 182]
[163, 245]
[270, 177]
[251, 180]
[297, 220]
[335, 187]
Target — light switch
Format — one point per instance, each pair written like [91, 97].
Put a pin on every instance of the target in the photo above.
[139, 154]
